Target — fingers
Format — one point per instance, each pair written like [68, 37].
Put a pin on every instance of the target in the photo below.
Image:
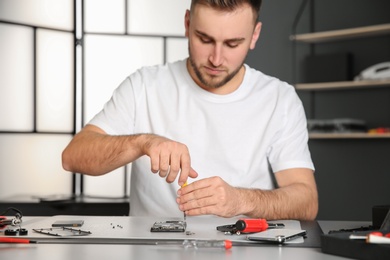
[186, 171]
[169, 158]
[164, 163]
[208, 196]
[180, 163]
[196, 195]
[195, 208]
[207, 204]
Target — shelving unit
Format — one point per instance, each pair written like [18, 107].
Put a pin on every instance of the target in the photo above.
[343, 85]
[337, 35]
[347, 135]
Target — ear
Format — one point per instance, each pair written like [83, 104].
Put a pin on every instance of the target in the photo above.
[255, 36]
[187, 22]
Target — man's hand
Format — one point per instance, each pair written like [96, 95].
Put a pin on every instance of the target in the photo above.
[210, 196]
[92, 151]
[295, 198]
[168, 158]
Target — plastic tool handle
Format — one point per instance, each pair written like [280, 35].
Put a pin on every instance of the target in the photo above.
[197, 244]
[251, 225]
[227, 244]
[15, 240]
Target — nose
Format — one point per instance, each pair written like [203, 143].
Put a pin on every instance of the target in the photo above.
[216, 57]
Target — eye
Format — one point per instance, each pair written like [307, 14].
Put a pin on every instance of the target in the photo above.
[232, 44]
[205, 39]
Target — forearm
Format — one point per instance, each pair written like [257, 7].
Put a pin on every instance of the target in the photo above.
[95, 153]
[297, 201]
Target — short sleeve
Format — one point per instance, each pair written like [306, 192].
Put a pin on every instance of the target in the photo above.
[289, 148]
[117, 115]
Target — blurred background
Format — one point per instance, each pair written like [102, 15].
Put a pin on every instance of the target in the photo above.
[60, 60]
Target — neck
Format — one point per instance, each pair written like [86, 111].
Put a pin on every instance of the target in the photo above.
[228, 88]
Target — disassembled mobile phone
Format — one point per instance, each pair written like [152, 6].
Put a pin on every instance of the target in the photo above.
[68, 223]
[169, 226]
[278, 236]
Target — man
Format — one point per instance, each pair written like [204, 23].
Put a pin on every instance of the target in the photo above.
[227, 128]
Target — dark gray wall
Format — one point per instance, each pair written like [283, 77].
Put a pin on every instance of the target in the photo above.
[352, 175]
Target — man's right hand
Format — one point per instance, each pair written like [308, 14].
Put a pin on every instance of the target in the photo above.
[94, 152]
[168, 158]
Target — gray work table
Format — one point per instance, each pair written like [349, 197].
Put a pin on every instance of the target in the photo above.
[88, 251]
[96, 252]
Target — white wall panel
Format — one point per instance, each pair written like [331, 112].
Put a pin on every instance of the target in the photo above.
[31, 164]
[177, 49]
[104, 16]
[109, 60]
[162, 17]
[55, 81]
[46, 13]
[16, 78]
[108, 185]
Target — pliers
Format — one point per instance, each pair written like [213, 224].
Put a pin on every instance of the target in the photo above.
[248, 226]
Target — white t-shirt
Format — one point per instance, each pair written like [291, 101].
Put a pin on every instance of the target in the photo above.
[242, 137]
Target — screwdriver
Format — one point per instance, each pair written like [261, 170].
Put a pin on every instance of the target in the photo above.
[226, 244]
[185, 215]
[16, 240]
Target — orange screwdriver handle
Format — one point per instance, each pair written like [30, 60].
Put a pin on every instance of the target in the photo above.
[251, 225]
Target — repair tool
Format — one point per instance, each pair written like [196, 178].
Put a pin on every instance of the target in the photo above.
[185, 215]
[16, 240]
[375, 237]
[248, 226]
[226, 244]
[16, 221]
[4, 221]
[62, 231]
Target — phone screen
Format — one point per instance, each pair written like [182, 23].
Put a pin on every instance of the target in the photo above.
[278, 236]
[68, 223]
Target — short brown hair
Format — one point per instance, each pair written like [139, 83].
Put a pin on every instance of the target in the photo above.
[230, 5]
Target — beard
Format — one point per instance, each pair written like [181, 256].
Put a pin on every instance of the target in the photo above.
[212, 81]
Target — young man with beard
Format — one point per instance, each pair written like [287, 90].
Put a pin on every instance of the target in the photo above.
[238, 135]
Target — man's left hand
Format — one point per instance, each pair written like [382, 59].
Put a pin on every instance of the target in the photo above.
[210, 196]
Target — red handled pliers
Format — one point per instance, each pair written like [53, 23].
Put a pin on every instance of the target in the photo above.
[249, 226]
